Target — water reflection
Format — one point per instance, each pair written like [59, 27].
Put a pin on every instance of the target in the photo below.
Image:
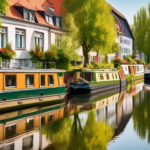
[84, 123]
[141, 113]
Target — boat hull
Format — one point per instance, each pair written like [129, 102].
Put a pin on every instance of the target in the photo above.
[87, 88]
[30, 97]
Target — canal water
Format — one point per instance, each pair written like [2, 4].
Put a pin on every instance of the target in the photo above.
[108, 121]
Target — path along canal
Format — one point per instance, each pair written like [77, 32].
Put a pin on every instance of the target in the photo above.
[116, 121]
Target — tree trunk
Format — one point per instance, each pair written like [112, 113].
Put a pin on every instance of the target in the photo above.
[86, 58]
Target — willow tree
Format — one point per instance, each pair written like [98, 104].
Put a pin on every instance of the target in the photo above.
[93, 23]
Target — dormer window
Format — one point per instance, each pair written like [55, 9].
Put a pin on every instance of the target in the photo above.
[49, 20]
[29, 15]
[58, 22]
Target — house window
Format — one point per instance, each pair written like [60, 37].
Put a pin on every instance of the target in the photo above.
[32, 16]
[20, 38]
[30, 80]
[58, 22]
[42, 80]
[50, 80]
[5, 63]
[2, 37]
[39, 39]
[107, 76]
[29, 15]
[101, 77]
[49, 20]
[9, 147]
[10, 81]
[57, 39]
[27, 142]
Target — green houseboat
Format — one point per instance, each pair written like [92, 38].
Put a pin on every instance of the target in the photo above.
[30, 86]
[93, 80]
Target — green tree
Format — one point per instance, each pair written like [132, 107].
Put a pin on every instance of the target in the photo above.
[141, 30]
[3, 6]
[93, 23]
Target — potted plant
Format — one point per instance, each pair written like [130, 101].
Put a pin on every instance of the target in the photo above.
[7, 52]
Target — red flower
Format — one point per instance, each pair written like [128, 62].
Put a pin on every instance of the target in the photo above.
[41, 55]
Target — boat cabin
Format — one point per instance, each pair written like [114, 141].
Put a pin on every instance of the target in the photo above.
[97, 75]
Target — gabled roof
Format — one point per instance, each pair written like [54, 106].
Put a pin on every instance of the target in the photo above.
[35, 5]
[122, 21]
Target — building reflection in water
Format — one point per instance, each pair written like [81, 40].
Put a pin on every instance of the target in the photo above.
[75, 125]
[21, 130]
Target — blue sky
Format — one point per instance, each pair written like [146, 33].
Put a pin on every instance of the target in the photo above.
[128, 7]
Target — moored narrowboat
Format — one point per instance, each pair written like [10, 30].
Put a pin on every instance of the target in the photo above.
[134, 69]
[93, 81]
[30, 86]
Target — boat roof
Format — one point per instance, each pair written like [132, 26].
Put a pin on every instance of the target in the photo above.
[100, 70]
[31, 70]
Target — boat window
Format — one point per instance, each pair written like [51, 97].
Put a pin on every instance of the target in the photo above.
[107, 76]
[42, 80]
[10, 80]
[116, 75]
[101, 77]
[112, 75]
[89, 77]
[30, 80]
[50, 80]
[29, 124]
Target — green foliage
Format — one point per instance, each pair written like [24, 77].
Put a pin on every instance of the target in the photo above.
[116, 61]
[140, 115]
[94, 65]
[141, 61]
[132, 56]
[4, 6]
[93, 31]
[7, 52]
[69, 134]
[130, 60]
[130, 78]
[36, 55]
[119, 67]
[141, 30]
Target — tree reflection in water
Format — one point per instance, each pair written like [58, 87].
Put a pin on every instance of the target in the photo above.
[141, 115]
[68, 134]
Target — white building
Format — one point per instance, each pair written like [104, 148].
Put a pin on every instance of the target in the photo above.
[26, 24]
[125, 36]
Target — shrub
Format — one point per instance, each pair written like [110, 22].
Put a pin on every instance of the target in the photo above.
[116, 61]
[119, 67]
[94, 65]
[7, 52]
[130, 60]
[36, 55]
[141, 61]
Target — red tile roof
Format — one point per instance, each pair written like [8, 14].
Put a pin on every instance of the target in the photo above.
[118, 25]
[34, 5]
[117, 12]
